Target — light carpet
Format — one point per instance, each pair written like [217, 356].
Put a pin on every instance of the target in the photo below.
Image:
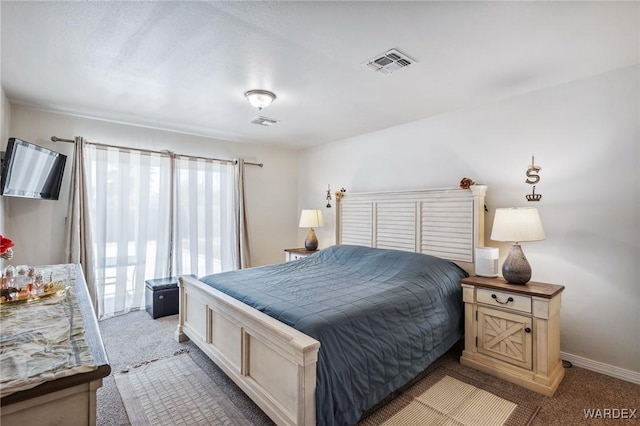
[175, 391]
[444, 397]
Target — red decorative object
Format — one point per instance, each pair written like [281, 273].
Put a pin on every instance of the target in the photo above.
[5, 248]
[466, 182]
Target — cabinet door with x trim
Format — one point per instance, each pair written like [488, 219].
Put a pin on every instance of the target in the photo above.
[506, 336]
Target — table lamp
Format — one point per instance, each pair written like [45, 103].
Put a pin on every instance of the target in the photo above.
[311, 219]
[517, 224]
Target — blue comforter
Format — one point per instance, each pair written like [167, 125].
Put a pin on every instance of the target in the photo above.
[381, 316]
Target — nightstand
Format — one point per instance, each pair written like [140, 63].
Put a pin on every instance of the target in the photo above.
[297, 253]
[513, 331]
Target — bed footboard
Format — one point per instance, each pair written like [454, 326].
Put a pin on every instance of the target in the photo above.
[274, 364]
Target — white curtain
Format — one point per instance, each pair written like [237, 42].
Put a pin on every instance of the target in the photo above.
[131, 219]
[77, 227]
[205, 229]
[158, 215]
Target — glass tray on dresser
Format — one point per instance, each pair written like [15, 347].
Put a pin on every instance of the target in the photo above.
[56, 288]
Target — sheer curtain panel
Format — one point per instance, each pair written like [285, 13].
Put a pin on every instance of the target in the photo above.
[205, 229]
[131, 221]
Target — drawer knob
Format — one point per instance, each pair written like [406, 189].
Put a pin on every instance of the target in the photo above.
[527, 330]
[495, 297]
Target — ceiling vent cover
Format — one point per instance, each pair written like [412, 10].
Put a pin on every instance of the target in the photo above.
[389, 61]
[264, 121]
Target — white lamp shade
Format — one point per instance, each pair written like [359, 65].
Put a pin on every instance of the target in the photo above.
[311, 219]
[517, 224]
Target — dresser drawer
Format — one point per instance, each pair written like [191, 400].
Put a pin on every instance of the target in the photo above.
[516, 302]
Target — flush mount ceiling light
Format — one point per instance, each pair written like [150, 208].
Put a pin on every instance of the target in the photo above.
[260, 98]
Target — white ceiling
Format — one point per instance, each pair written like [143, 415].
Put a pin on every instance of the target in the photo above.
[184, 66]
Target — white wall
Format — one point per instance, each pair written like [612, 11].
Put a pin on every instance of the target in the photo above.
[585, 136]
[37, 226]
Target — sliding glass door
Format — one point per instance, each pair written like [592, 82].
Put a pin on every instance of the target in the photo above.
[142, 229]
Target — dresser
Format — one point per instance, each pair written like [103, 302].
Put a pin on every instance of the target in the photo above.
[297, 253]
[513, 331]
[68, 395]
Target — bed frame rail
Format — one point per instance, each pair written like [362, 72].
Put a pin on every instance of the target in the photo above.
[274, 364]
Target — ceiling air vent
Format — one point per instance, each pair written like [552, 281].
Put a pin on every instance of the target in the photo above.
[389, 61]
[264, 121]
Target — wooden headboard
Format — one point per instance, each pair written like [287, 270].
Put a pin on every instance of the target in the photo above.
[448, 223]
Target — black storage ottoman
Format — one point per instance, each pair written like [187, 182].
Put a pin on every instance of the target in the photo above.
[162, 297]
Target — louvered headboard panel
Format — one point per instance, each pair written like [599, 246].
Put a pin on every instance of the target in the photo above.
[357, 222]
[447, 223]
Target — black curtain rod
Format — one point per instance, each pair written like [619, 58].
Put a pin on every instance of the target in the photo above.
[149, 151]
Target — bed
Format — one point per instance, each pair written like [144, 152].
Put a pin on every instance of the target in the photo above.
[323, 339]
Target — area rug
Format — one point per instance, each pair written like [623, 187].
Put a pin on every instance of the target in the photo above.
[175, 391]
[445, 397]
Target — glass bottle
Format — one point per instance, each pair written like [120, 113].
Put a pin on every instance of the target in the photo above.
[9, 277]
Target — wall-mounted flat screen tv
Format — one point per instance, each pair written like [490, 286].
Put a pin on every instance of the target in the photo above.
[31, 171]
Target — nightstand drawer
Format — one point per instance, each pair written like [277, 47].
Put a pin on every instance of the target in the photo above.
[516, 302]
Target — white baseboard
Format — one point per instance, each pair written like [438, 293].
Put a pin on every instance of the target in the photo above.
[601, 367]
